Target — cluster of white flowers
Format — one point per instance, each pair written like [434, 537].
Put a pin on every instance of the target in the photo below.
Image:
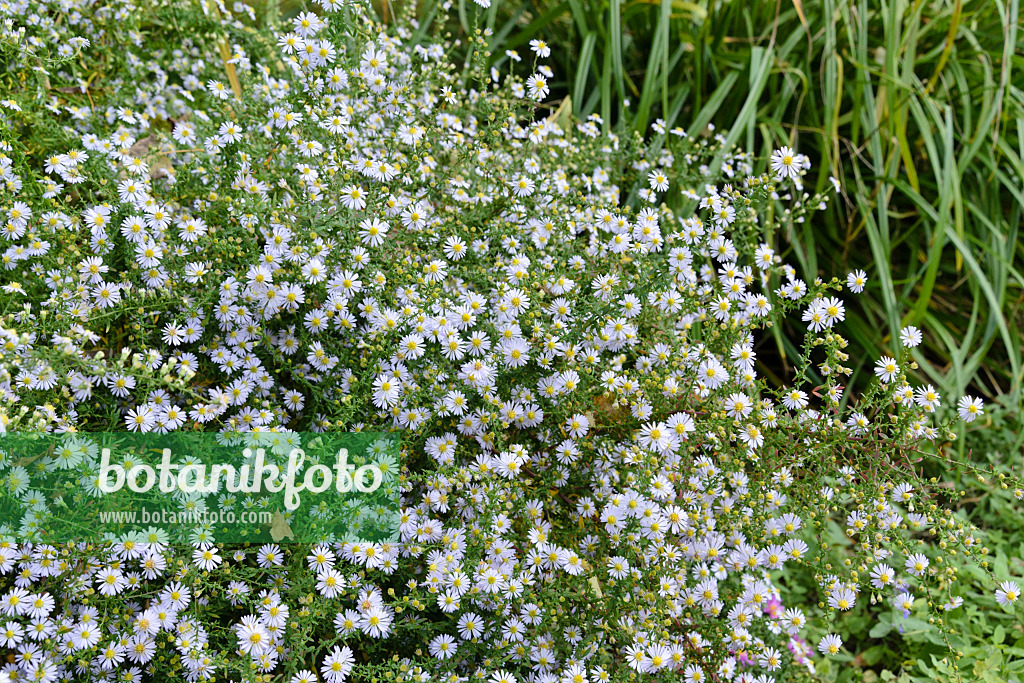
[342, 233]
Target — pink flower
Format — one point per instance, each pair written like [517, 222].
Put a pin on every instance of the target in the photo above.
[773, 608]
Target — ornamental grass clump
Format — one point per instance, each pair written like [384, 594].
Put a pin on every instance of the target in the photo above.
[209, 225]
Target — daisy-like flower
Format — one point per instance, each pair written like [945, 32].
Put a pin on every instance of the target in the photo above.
[815, 316]
[85, 636]
[887, 369]
[541, 48]
[330, 583]
[353, 198]
[969, 408]
[523, 186]
[882, 576]
[795, 399]
[376, 622]
[455, 248]
[927, 398]
[206, 557]
[253, 637]
[176, 596]
[829, 645]
[537, 86]
[842, 599]
[917, 564]
[694, 674]
[443, 647]
[93, 269]
[658, 181]
[140, 419]
[784, 163]
[752, 436]
[578, 425]
[903, 493]
[372, 232]
[833, 311]
[470, 626]
[910, 336]
[954, 603]
[770, 659]
[97, 218]
[386, 391]
[269, 555]
[106, 295]
[184, 133]
[217, 89]
[110, 581]
[12, 634]
[856, 281]
[738, 405]
[338, 664]
[1007, 593]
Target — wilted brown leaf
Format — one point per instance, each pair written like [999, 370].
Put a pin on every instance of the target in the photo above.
[279, 528]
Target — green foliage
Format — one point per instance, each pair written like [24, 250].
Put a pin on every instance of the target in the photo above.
[883, 645]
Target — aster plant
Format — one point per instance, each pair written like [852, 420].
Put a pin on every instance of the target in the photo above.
[335, 224]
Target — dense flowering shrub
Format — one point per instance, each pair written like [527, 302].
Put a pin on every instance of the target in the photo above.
[210, 227]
